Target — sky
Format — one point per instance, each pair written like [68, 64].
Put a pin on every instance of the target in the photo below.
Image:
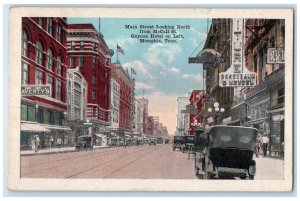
[162, 70]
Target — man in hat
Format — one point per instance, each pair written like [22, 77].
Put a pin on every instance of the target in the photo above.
[265, 143]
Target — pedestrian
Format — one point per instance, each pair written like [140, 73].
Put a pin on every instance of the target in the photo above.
[257, 145]
[33, 142]
[37, 143]
[59, 142]
[51, 142]
[265, 143]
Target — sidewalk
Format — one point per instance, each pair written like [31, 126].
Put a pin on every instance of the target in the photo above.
[52, 151]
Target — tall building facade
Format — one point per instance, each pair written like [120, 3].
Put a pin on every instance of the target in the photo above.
[196, 99]
[126, 98]
[145, 103]
[115, 104]
[182, 118]
[87, 50]
[44, 62]
[77, 101]
[138, 120]
[265, 102]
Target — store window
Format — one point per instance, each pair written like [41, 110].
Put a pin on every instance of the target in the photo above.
[277, 97]
[28, 113]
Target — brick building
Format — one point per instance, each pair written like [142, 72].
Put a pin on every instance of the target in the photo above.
[44, 62]
[87, 50]
[126, 98]
[196, 99]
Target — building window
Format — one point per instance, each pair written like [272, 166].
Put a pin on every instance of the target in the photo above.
[94, 46]
[106, 88]
[58, 90]
[72, 61]
[93, 95]
[58, 33]
[40, 21]
[38, 77]
[94, 62]
[50, 82]
[81, 45]
[106, 75]
[72, 45]
[81, 61]
[50, 60]
[59, 66]
[28, 113]
[49, 25]
[39, 52]
[24, 73]
[94, 79]
[24, 43]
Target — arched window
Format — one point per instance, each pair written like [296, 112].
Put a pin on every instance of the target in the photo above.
[24, 43]
[50, 59]
[39, 52]
[59, 66]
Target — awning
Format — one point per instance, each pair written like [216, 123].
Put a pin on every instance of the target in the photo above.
[32, 127]
[64, 128]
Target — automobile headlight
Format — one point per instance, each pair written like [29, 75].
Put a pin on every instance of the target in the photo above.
[225, 138]
[245, 139]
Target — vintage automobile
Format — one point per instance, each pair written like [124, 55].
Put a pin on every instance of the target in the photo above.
[178, 142]
[167, 141]
[84, 143]
[189, 143]
[152, 141]
[227, 151]
[113, 142]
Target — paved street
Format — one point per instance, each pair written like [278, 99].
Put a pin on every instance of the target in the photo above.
[135, 162]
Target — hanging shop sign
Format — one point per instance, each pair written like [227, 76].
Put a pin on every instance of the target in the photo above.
[275, 56]
[237, 75]
[36, 90]
[190, 109]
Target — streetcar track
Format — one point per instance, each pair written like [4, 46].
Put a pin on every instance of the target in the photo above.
[117, 170]
[70, 158]
[108, 161]
[71, 162]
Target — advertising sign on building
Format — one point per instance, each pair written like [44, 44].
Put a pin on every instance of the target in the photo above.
[190, 109]
[275, 56]
[36, 90]
[237, 75]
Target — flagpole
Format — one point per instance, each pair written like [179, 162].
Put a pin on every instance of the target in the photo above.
[117, 54]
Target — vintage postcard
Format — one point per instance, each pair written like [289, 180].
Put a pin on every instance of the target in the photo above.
[139, 99]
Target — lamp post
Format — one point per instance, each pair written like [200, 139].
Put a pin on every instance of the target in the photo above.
[216, 111]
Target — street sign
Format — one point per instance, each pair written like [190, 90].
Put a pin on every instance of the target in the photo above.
[36, 90]
[208, 60]
[275, 56]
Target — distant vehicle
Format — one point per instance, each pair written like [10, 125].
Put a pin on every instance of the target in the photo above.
[84, 143]
[178, 142]
[226, 149]
[152, 141]
[159, 140]
[189, 142]
[167, 141]
[113, 142]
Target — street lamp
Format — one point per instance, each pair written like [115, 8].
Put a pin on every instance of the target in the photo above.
[217, 110]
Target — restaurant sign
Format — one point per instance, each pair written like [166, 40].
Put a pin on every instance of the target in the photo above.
[237, 75]
[36, 90]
